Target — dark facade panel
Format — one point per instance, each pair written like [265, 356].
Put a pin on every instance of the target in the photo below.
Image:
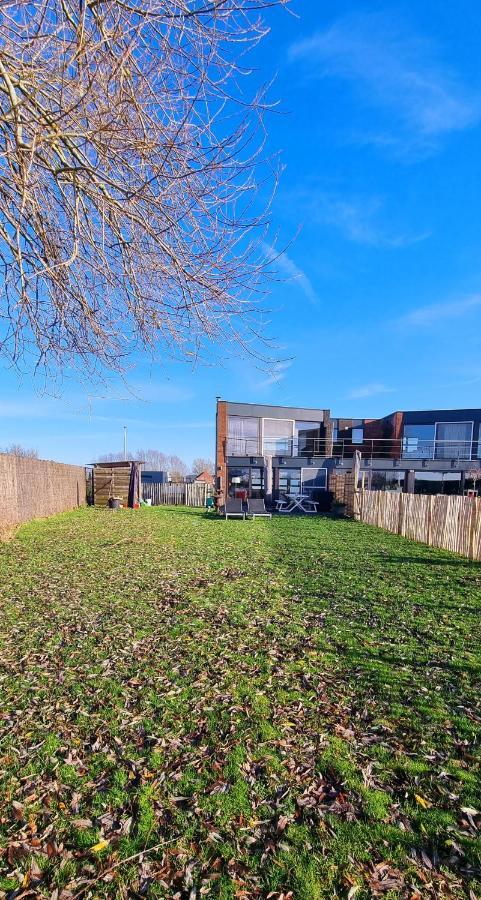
[261, 411]
[429, 417]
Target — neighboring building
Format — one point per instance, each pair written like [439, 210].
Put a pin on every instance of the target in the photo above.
[155, 476]
[266, 451]
[204, 478]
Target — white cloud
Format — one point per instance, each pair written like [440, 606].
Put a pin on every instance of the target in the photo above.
[395, 71]
[369, 390]
[430, 315]
[286, 266]
[358, 218]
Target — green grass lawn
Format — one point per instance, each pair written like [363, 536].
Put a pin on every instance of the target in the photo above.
[191, 707]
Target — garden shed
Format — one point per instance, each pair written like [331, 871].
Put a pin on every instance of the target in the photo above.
[120, 480]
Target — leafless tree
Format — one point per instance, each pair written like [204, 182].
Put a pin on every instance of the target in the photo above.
[154, 460]
[18, 450]
[131, 158]
[201, 464]
[117, 456]
[178, 469]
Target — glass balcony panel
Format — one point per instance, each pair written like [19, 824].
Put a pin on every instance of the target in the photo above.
[278, 437]
[453, 440]
[242, 436]
[418, 442]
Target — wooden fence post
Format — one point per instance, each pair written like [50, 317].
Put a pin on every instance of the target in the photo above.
[429, 521]
[473, 528]
[356, 468]
[400, 520]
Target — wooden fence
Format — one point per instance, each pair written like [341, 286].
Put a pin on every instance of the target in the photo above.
[176, 494]
[449, 522]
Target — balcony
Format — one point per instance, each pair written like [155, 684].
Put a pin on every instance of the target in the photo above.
[370, 448]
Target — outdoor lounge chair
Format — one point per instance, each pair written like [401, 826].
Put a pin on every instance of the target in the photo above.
[234, 509]
[257, 510]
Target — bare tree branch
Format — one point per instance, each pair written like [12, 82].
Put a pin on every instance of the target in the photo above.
[130, 166]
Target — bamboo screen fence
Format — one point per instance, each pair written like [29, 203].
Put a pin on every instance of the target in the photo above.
[448, 522]
[36, 488]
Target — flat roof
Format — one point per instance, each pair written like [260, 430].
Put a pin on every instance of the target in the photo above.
[271, 405]
[116, 462]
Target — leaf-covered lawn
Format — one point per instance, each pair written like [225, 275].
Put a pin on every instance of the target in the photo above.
[191, 707]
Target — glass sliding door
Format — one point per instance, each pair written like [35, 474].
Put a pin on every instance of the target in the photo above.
[288, 481]
[244, 482]
[257, 483]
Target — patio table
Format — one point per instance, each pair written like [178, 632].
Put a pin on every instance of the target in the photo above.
[297, 501]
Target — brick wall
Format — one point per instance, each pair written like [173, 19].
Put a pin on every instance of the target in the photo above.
[388, 429]
[342, 486]
[220, 450]
[35, 488]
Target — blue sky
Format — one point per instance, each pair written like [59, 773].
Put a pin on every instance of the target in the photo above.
[378, 306]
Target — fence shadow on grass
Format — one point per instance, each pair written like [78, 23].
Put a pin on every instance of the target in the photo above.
[358, 656]
[429, 561]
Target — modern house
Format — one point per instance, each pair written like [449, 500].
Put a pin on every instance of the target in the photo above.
[267, 451]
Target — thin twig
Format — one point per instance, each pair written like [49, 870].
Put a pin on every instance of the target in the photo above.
[121, 862]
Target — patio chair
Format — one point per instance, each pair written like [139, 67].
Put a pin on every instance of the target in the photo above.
[234, 509]
[257, 510]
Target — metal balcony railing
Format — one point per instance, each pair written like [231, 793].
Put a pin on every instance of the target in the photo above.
[344, 448]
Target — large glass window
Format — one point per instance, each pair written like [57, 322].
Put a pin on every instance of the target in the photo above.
[418, 442]
[453, 440]
[357, 435]
[308, 438]
[278, 437]
[242, 436]
[437, 483]
[289, 481]
[384, 480]
[313, 479]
